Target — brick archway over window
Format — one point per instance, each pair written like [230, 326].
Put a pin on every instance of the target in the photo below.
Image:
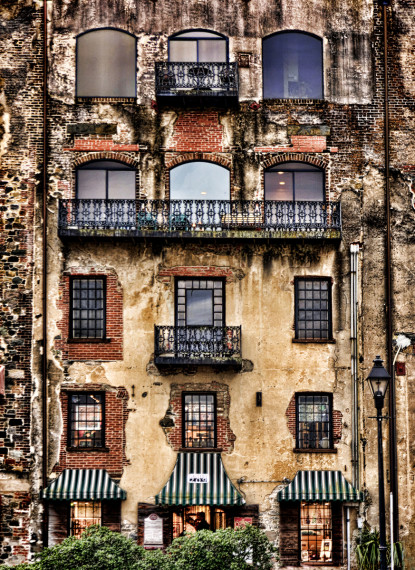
[311, 159]
[106, 155]
[173, 161]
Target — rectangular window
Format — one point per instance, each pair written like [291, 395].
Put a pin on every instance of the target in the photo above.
[313, 308]
[316, 532]
[199, 420]
[200, 302]
[314, 421]
[83, 515]
[87, 310]
[86, 420]
[199, 517]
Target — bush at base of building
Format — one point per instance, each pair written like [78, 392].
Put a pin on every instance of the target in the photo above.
[100, 549]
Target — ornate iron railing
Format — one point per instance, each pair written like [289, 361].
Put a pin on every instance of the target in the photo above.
[197, 345]
[182, 78]
[307, 218]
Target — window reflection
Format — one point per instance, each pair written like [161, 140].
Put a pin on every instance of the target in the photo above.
[197, 46]
[199, 180]
[83, 515]
[293, 66]
[294, 181]
[316, 532]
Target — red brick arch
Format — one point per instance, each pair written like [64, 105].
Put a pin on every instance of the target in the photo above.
[319, 161]
[106, 155]
[172, 161]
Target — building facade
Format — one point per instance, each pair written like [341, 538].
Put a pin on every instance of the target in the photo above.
[207, 219]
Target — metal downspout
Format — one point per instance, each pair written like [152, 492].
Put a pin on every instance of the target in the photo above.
[44, 274]
[354, 304]
[393, 457]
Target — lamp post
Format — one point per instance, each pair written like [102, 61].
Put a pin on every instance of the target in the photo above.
[378, 381]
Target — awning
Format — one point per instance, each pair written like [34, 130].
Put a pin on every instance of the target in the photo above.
[319, 486]
[83, 485]
[199, 479]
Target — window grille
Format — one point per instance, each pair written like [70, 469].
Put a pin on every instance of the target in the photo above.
[314, 423]
[86, 414]
[87, 308]
[83, 515]
[199, 425]
[316, 532]
[313, 309]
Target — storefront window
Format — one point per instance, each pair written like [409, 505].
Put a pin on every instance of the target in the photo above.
[199, 517]
[316, 532]
[83, 515]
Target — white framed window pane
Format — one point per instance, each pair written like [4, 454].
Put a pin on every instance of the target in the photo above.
[182, 51]
[121, 184]
[91, 184]
[212, 50]
[106, 64]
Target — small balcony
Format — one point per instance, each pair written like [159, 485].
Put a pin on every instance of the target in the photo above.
[201, 219]
[213, 84]
[197, 346]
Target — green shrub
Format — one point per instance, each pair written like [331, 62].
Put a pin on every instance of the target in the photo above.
[100, 549]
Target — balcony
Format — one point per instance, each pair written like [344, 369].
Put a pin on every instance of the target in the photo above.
[213, 84]
[196, 346]
[204, 219]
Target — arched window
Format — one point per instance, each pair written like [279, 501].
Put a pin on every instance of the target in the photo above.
[294, 181]
[198, 46]
[105, 180]
[106, 64]
[199, 180]
[292, 66]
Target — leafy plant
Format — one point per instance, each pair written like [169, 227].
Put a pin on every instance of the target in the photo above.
[101, 549]
[368, 553]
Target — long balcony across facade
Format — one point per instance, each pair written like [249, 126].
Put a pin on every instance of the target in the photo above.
[213, 83]
[200, 218]
[198, 345]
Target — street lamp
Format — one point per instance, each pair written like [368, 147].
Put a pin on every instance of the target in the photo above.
[378, 381]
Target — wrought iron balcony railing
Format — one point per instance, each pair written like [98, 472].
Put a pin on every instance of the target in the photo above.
[219, 346]
[201, 218]
[182, 79]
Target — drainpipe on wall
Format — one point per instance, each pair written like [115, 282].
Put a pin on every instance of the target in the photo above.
[393, 456]
[354, 306]
[44, 275]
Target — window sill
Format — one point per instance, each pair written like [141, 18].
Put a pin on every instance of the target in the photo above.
[88, 449]
[317, 450]
[314, 340]
[88, 340]
[201, 449]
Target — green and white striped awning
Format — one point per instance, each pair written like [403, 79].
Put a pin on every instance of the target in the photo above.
[199, 479]
[83, 485]
[319, 486]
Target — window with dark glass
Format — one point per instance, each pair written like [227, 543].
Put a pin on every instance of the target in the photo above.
[314, 421]
[86, 420]
[198, 46]
[199, 420]
[292, 66]
[316, 529]
[106, 64]
[106, 180]
[313, 308]
[199, 180]
[200, 302]
[294, 181]
[87, 310]
[84, 514]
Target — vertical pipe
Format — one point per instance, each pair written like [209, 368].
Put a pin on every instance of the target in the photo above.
[392, 541]
[354, 303]
[44, 273]
[393, 457]
[348, 537]
[382, 513]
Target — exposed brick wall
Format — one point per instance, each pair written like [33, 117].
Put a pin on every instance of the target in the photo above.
[110, 349]
[112, 457]
[172, 422]
[229, 273]
[197, 131]
[299, 143]
[14, 525]
[99, 145]
[337, 419]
